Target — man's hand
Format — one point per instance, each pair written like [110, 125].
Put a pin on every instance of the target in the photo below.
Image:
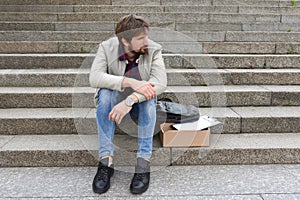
[118, 112]
[142, 87]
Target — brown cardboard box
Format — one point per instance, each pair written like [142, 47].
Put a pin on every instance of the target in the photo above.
[175, 138]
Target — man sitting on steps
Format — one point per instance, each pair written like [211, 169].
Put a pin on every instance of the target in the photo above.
[128, 72]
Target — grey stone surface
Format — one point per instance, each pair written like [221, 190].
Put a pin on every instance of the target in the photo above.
[269, 119]
[231, 61]
[56, 2]
[82, 97]
[36, 8]
[287, 3]
[40, 121]
[264, 26]
[45, 61]
[4, 140]
[65, 150]
[135, 2]
[42, 98]
[78, 47]
[262, 37]
[239, 48]
[44, 78]
[280, 196]
[286, 61]
[182, 2]
[55, 36]
[47, 143]
[219, 95]
[235, 18]
[23, 26]
[28, 47]
[285, 95]
[200, 8]
[181, 47]
[84, 26]
[241, 149]
[247, 3]
[173, 61]
[23, 16]
[231, 122]
[291, 18]
[274, 10]
[197, 77]
[214, 36]
[119, 8]
[208, 26]
[216, 182]
[292, 48]
[213, 197]
[263, 76]
[222, 61]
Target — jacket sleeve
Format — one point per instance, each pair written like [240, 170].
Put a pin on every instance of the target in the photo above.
[158, 75]
[99, 77]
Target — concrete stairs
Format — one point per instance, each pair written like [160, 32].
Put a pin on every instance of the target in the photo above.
[236, 60]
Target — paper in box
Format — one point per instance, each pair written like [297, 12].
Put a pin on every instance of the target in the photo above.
[194, 134]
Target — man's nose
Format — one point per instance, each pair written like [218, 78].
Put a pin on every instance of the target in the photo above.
[145, 42]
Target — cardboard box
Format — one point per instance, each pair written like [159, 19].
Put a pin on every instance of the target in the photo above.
[183, 138]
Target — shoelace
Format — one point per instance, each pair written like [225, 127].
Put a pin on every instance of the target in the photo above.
[103, 173]
[140, 176]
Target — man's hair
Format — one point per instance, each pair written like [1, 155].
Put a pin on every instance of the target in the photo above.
[130, 26]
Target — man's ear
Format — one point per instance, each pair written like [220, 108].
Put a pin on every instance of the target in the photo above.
[125, 43]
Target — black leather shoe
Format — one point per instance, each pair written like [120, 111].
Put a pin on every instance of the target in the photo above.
[101, 181]
[141, 178]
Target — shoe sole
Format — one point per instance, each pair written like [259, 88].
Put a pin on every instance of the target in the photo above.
[135, 191]
[101, 191]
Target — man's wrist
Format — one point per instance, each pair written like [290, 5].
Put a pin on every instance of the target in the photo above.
[136, 99]
[127, 82]
[129, 101]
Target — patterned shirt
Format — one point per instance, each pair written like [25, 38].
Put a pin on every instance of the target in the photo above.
[132, 70]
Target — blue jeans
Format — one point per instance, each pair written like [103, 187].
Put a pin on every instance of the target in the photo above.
[144, 111]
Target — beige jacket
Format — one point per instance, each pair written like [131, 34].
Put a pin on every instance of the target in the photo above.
[108, 71]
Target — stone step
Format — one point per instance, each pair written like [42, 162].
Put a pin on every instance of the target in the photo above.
[193, 77]
[202, 96]
[152, 8]
[272, 3]
[148, 2]
[81, 150]
[152, 17]
[122, 8]
[80, 26]
[198, 61]
[157, 34]
[56, 2]
[262, 36]
[56, 121]
[168, 47]
[164, 182]
[238, 26]
[178, 26]
[251, 47]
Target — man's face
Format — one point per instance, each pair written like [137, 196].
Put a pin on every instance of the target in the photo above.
[139, 43]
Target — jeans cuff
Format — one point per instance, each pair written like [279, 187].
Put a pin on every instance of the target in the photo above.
[143, 155]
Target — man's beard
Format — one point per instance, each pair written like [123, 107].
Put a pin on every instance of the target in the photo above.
[143, 50]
